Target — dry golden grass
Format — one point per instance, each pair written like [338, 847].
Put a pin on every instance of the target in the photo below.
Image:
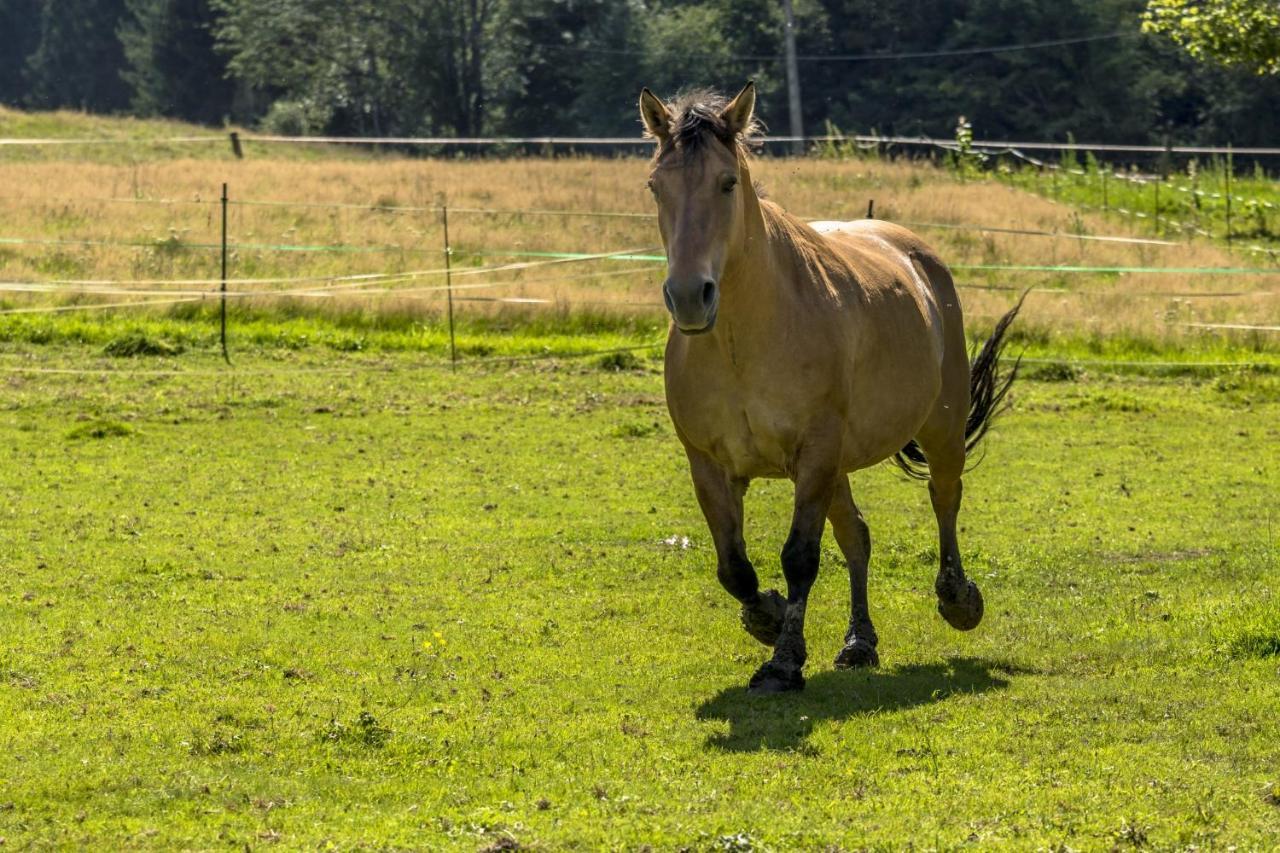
[339, 201]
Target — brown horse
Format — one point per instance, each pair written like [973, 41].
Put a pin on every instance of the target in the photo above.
[807, 351]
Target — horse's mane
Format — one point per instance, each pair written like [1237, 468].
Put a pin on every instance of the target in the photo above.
[695, 115]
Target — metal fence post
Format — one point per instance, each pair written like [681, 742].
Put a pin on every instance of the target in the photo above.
[223, 307]
[448, 281]
[1230, 169]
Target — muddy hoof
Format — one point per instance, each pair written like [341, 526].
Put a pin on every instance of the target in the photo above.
[857, 655]
[764, 620]
[774, 678]
[964, 612]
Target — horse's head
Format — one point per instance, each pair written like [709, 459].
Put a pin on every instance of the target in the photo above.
[698, 183]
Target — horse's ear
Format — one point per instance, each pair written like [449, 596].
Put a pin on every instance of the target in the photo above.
[655, 115]
[737, 116]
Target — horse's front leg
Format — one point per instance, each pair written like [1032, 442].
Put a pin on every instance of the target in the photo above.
[815, 481]
[720, 497]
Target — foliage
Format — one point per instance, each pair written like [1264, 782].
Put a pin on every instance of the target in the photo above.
[369, 67]
[138, 343]
[1233, 32]
[573, 67]
[965, 161]
[78, 58]
[173, 67]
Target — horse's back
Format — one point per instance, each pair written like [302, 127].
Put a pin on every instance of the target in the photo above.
[869, 238]
[915, 301]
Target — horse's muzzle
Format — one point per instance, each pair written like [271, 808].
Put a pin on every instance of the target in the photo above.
[692, 306]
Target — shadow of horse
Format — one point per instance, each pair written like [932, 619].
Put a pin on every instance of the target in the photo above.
[785, 721]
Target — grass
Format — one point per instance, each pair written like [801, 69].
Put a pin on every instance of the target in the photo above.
[619, 340]
[1187, 205]
[358, 600]
[91, 216]
[127, 141]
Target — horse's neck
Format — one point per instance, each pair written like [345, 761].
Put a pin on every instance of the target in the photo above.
[760, 271]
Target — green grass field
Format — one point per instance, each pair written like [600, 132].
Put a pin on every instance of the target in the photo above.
[353, 599]
[1192, 204]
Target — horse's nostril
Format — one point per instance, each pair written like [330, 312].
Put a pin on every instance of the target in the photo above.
[708, 293]
[666, 297]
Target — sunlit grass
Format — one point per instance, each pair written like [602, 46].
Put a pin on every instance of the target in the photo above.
[358, 599]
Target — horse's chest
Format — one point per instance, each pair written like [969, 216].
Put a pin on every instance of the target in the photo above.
[750, 431]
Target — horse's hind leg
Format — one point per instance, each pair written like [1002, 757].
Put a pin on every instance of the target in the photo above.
[944, 443]
[720, 497]
[959, 599]
[855, 542]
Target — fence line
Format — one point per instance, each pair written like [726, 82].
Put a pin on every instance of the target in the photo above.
[861, 139]
[985, 145]
[162, 242]
[86, 140]
[372, 285]
[418, 293]
[392, 249]
[1240, 326]
[1061, 235]
[97, 306]
[358, 279]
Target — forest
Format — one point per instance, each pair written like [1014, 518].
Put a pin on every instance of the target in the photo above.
[1027, 69]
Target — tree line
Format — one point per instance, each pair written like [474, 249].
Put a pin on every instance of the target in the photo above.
[1038, 69]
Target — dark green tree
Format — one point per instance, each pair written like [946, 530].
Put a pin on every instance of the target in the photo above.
[78, 60]
[19, 36]
[364, 66]
[173, 68]
[563, 67]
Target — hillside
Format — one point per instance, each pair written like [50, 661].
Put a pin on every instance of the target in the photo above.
[133, 140]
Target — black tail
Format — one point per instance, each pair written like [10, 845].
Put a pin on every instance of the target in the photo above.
[987, 389]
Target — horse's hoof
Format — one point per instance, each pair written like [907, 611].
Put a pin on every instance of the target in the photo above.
[858, 655]
[764, 620]
[964, 611]
[774, 678]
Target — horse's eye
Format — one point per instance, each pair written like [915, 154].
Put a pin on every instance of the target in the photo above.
[728, 184]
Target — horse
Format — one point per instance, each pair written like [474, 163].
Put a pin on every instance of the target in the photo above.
[807, 351]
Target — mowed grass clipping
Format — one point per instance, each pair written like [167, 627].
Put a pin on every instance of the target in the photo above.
[359, 600]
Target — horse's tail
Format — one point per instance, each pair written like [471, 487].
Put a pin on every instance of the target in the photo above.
[988, 386]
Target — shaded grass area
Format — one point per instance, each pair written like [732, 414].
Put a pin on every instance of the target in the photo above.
[461, 606]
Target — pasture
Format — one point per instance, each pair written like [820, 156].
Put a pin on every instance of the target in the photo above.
[90, 217]
[338, 595]
[358, 600]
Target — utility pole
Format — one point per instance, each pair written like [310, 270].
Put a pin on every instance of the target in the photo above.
[793, 79]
